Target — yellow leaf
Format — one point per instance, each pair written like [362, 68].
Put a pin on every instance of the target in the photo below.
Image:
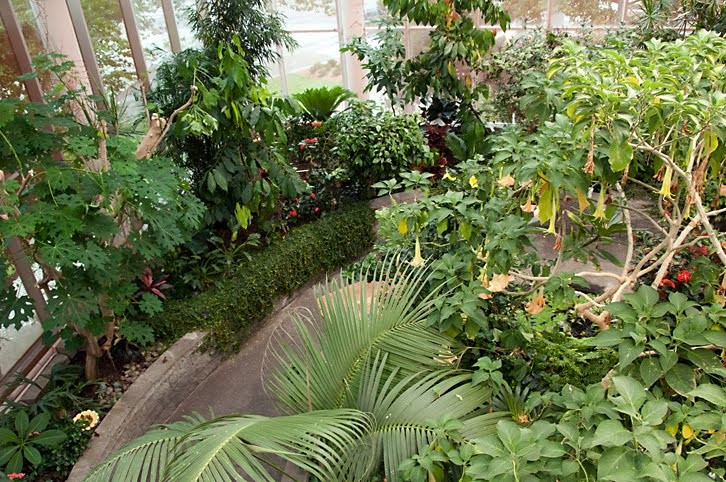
[403, 226]
[687, 431]
[672, 429]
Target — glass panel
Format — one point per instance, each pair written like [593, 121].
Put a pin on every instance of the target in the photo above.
[10, 86]
[31, 22]
[527, 13]
[181, 12]
[315, 63]
[152, 30]
[374, 10]
[587, 13]
[308, 14]
[106, 27]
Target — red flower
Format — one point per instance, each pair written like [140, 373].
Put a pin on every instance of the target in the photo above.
[16, 475]
[317, 209]
[312, 195]
[683, 276]
[314, 140]
[293, 213]
[302, 147]
[668, 283]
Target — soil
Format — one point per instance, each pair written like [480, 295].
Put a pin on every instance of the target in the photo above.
[118, 370]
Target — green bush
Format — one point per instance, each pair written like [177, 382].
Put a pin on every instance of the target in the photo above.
[378, 145]
[230, 311]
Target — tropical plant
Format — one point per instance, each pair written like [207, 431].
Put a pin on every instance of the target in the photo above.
[259, 30]
[319, 103]
[352, 406]
[20, 446]
[378, 145]
[91, 214]
[230, 139]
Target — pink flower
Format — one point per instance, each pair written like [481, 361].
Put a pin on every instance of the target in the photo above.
[316, 124]
[312, 195]
[668, 283]
[335, 203]
[314, 140]
[297, 200]
[302, 147]
[16, 475]
[316, 210]
[293, 213]
[683, 276]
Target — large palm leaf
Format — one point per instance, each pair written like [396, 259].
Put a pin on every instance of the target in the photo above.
[320, 365]
[229, 448]
[406, 413]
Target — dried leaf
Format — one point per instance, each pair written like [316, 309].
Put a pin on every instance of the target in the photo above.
[536, 304]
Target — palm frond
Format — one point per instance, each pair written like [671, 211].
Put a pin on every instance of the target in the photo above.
[225, 448]
[144, 458]
[320, 103]
[228, 449]
[322, 361]
[406, 413]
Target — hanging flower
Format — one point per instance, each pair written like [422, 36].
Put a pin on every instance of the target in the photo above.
[536, 304]
[683, 276]
[506, 181]
[417, 258]
[89, 416]
[473, 182]
[665, 189]
[528, 207]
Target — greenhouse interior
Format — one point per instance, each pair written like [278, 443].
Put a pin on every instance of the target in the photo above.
[363, 240]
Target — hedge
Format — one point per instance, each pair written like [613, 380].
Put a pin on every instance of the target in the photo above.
[229, 312]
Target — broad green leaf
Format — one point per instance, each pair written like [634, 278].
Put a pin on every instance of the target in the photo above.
[654, 411]
[7, 436]
[21, 423]
[617, 464]
[650, 370]
[713, 393]
[681, 378]
[49, 438]
[32, 455]
[628, 352]
[620, 154]
[610, 433]
[631, 391]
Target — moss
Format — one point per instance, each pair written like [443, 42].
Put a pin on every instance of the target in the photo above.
[230, 312]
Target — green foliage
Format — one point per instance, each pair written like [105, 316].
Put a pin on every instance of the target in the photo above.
[320, 103]
[453, 60]
[260, 31]
[231, 138]
[19, 445]
[93, 219]
[368, 396]
[378, 145]
[58, 460]
[231, 310]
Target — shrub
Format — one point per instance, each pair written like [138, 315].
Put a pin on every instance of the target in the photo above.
[377, 146]
[229, 312]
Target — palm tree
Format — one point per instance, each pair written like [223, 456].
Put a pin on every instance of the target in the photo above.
[362, 387]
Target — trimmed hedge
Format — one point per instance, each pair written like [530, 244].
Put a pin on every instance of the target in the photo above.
[230, 311]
